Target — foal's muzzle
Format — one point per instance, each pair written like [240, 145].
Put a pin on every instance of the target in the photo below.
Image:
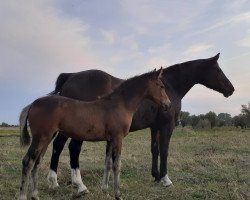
[166, 105]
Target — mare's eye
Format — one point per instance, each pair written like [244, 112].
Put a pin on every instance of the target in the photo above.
[162, 86]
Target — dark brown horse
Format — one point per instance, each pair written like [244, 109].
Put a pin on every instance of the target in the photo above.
[178, 80]
[107, 119]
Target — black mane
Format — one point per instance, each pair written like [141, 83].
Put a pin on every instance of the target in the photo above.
[130, 86]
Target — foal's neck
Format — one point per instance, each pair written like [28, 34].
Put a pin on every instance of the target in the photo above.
[131, 96]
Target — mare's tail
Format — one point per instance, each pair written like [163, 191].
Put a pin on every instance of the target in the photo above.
[61, 79]
[24, 134]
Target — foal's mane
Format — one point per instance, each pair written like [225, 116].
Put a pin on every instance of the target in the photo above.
[133, 83]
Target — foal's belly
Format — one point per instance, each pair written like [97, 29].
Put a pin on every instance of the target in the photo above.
[91, 132]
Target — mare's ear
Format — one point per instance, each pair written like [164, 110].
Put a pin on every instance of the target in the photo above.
[216, 57]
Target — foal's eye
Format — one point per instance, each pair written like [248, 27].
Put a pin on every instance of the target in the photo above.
[162, 86]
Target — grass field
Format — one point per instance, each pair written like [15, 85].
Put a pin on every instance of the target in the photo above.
[203, 164]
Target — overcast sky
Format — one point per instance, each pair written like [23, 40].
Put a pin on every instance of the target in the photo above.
[41, 39]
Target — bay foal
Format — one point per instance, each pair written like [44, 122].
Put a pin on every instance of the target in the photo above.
[107, 119]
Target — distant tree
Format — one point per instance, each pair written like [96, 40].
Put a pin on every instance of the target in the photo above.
[203, 123]
[184, 118]
[212, 117]
[201, 116]
[240, 121]
[4, 124]
[194, 120]
[245, 110]
[224, 119]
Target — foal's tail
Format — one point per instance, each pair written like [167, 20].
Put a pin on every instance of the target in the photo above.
[24, 134]
[61, 79]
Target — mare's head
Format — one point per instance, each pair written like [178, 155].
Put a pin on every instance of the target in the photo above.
[213, 77]
[156, 90]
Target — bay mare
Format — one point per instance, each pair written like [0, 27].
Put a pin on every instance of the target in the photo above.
[107, 119]
[178, 80]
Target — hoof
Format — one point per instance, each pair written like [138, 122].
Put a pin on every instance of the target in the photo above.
[80, 194]
[22, 197]
[84, 192]
[157, 180]
[118, 198]
[35, 198]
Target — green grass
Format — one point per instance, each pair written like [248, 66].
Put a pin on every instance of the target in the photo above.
[203, 164]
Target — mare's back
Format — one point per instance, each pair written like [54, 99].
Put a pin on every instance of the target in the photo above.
[89, 85]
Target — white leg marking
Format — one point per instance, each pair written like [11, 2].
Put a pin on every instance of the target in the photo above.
[22, 197]
[117, 170]
[77, 180]
[166, 181]
[107, 170]
[34, 195]
[52, 179]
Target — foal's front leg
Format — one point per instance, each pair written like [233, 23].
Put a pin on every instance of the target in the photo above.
[116, 157]
[108, 166]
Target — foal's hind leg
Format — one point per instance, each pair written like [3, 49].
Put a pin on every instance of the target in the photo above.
[28, 164]
[108, 166]
[34, 174]
[116, 157]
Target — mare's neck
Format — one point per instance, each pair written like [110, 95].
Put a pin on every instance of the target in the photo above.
[182, 77]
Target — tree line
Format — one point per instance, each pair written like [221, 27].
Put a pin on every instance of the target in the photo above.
[210, 119]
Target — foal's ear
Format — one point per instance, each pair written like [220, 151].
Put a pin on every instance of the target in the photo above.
[159, 73]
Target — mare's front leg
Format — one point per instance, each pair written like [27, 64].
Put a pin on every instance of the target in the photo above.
[165, 135]
[155, 153]
[116, 157]
[108, 166]
[74, 150]
[58, 145]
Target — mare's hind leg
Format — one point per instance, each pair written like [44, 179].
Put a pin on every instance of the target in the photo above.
[58, 145]
[108, 166]
[75, 149]
[28, 164]
[155, 154]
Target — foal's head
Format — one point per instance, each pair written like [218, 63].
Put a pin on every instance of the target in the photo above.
[156, 90]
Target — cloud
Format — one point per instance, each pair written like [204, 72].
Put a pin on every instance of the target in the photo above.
[108, 36]
[42, 41]
[229, 20]
[197, 49]
[245, 42]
